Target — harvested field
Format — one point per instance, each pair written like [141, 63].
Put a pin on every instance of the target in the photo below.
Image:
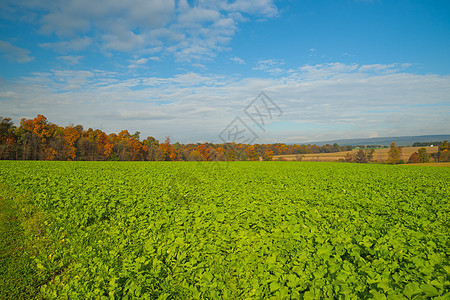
[380, 155]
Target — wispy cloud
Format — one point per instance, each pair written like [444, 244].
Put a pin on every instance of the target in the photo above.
[75, 44]
[319, 102]
[271, 66]
[72, 60]
[14, 53]
[237, 60]
[140, 62]
[191, 31]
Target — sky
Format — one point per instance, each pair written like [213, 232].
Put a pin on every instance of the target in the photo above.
[256, 71]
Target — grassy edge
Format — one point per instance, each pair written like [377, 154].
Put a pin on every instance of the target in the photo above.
[21, 239]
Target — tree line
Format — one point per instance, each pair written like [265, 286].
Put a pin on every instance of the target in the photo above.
[39, 139]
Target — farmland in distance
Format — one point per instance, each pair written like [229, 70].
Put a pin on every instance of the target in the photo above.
[380, 155]
[234, 230]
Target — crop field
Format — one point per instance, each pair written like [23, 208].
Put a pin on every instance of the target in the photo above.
[229, 230]
[380, 155]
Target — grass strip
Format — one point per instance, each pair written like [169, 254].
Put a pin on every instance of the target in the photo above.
[19, 224]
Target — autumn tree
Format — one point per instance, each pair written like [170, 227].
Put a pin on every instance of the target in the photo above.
[8, 139]
[444, 151]
[56, 147]
[203, 152]
[45, 131]
[34, 135]
[128, 147]
[71, 135]
[231, 155]
[268, 156]
[414, 158]
[350, 157]
[220, 154]
[139, 151]
[364, 155]
[94, 145]
[423, 155]
[122, 147]
[167, 150]
[194, 155]
[394, 154]
[361, 156]
[251, 153]
[153, 150]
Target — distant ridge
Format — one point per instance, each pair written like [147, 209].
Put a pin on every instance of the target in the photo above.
[386, 141]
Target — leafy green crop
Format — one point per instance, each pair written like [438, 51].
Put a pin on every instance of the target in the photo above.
[238, 230]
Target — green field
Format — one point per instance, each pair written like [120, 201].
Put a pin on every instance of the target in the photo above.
[236, 230]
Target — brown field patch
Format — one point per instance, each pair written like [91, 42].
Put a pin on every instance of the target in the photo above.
[380, 155]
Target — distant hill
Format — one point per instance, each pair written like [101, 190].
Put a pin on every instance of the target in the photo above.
[386, 141]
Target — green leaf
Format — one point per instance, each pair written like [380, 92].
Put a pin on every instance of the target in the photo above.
[325, 250]
[293, 280]
[298, 270]
[429, 290]
[207, 276]
[274, 286]
[395, 297]
[163, 296]
[447, 269]
[377, 295]
[271, 260]
[220, 217]
[412, 289]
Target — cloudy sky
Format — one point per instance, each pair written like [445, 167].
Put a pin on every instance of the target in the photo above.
[192, 70]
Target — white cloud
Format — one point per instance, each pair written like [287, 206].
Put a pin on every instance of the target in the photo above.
[14, 53]
[198, 65]
[63, 24]
[8, 94]
[237, 60]
[262, 7]
[198, 15]
[72, 60]
[76, 44]
[140, 62]
[319, 102]
[190, 31]
[123, 40]
[271, 66]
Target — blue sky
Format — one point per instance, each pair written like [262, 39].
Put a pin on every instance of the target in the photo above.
[187, 69]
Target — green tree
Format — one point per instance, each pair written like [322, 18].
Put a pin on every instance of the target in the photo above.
[153, 151]
[8, 139]
[423, 155]
[336, 147]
